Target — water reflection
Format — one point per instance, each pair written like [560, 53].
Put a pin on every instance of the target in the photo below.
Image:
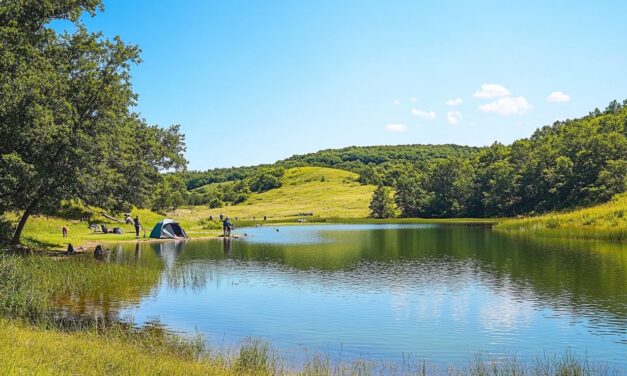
[381, 291]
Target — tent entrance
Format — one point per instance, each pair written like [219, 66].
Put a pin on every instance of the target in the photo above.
[173, 230]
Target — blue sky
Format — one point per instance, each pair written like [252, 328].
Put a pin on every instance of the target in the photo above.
[254, 82]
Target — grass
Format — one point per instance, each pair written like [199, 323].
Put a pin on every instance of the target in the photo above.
[212, 187]
[44, 232]
[31, 286]
[606, 221]
[35, 351]
[325, 192]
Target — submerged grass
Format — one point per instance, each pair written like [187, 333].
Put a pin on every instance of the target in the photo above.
[604, 222]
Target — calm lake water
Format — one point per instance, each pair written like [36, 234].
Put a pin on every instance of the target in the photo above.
[388, 292]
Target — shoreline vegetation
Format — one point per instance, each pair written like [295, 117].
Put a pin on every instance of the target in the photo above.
[606, 221]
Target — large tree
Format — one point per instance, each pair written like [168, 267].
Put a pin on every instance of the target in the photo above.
[66, 126]
[382, 205]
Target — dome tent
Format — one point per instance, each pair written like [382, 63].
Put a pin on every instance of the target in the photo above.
[167, 229]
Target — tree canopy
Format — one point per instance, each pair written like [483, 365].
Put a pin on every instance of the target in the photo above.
[66, 126]
[569, 164]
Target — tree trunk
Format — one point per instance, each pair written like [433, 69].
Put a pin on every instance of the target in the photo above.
[20, 226]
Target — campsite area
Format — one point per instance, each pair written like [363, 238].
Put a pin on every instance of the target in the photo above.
[313, 188]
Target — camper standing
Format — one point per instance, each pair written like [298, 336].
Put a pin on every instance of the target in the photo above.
[137, 225]
[227, 226]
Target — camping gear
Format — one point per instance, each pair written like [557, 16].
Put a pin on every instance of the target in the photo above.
[167, 229]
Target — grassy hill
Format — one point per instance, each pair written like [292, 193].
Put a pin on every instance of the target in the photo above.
[605, 221]
[325, 192]
[352, 158]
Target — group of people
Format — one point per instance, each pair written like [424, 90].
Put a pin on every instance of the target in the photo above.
[227, 225]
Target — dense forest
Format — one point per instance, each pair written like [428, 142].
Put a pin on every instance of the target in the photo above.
[570, 164]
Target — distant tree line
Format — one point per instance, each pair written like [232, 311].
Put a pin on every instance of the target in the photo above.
[569, 164]
[220, 193]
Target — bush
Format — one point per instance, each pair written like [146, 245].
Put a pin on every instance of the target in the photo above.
[266, 180]
[6, 230]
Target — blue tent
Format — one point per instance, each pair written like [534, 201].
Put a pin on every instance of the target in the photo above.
[167, 229]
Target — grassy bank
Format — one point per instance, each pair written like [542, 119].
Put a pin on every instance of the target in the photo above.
[41, 352]
[44, 232]
[606, 222]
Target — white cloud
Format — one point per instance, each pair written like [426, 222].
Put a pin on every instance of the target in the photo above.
[396, 128]
[507, 106]
[429, 115]
[454, 117]
[558, 96]
[454, 102]
[413, 100]
[491, 91]
[397, 102]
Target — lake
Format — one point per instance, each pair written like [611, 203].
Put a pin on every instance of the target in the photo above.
[389, 292]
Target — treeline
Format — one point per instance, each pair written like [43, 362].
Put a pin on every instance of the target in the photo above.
[570, 164]
[235, 191]
[359, 159]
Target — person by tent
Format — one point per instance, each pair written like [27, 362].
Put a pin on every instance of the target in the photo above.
[137, 225]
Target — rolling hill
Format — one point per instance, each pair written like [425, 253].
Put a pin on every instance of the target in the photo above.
[325, 192]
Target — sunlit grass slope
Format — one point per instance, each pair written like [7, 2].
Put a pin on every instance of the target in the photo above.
[325, 192]
[605, 221]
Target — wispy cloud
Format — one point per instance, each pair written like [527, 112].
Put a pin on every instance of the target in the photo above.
[397, 102]
[558, 96]
[413, 100]
[454, 117]
[454, 102]
[396, 128]
[507, 106]
[429, 115]
[491, 91]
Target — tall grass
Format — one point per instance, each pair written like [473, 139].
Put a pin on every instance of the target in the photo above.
[604, 222]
